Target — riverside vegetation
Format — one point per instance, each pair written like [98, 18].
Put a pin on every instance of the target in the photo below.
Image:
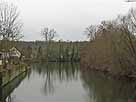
[112, 46]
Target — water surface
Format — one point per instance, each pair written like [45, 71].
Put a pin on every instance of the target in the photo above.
[65, 82]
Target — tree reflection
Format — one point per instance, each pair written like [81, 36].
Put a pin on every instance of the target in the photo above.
[9, 98]
[5, 92]
[102, 88]
[56, 71]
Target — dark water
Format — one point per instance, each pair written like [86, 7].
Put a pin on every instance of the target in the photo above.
[54, 82]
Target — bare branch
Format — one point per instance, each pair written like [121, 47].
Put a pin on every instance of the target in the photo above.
[10, 24]
[48, 34]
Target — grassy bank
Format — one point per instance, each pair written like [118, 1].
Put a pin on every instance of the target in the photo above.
[7, 75]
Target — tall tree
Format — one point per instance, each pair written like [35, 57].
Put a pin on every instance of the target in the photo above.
[10, 23]
[48, 34]
[91, 32]
[40, 53]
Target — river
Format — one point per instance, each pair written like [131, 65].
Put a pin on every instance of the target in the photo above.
[65, 82]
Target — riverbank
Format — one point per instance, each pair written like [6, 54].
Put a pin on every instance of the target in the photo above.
[11, 86]
[8, 74]
[107, 71]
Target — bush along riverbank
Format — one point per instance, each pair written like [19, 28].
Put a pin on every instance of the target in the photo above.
[11, 72]
[112, 48]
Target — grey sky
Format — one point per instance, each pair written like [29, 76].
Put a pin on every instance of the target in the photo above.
[68, 17]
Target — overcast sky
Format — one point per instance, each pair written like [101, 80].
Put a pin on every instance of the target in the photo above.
[68, 17]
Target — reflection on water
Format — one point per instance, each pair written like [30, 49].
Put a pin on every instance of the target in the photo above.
[102, 88]
[56, 72]
[8, 89]
[51, 82]
[64, 82]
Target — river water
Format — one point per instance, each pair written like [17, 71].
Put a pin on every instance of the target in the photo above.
[65, 82]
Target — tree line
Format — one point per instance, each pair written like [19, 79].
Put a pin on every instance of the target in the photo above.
[57, 51]
[47, 50]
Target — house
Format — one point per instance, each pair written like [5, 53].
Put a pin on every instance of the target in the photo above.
[14, 52]
[15, 55]
[12, 56]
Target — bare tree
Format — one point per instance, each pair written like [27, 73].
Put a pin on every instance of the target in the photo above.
[48, 34]
[91, 32]
[128, 27]
[132, 20]
[10, 23]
